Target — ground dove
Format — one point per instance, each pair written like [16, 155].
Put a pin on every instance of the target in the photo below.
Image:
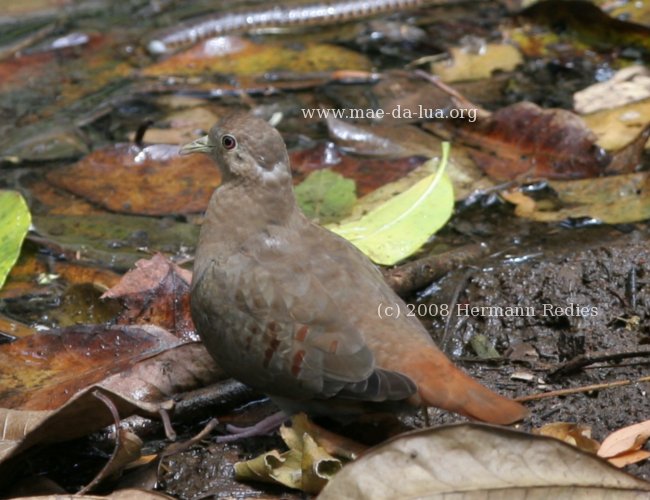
[292, 309]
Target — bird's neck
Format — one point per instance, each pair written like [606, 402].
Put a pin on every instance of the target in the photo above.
[238, 212]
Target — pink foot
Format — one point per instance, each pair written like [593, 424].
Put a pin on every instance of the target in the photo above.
[261, 428]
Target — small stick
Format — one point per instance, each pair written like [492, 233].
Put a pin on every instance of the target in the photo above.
[575, 364]
[579, 390]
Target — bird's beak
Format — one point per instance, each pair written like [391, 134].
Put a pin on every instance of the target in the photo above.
[199, 146]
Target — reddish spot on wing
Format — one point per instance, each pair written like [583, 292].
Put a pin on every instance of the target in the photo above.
[297, 362]
[274, 342]
[334, 346]
[301, 334]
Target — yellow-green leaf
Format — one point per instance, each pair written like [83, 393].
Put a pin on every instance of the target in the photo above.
[14, 224]
[396, 229]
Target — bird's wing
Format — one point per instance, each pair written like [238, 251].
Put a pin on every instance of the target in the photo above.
[307, 334]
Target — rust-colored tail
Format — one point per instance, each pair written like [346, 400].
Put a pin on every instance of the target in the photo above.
[445, 386]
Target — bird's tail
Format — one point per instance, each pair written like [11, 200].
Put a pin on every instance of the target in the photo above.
[443, 385]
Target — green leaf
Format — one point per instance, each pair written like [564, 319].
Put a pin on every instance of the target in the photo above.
[14, 224]
[326, 196]
[396, 229]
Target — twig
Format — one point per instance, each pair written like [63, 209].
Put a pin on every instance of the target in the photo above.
[420, 273]
[575, 364]
[579, 390]
[116, 421]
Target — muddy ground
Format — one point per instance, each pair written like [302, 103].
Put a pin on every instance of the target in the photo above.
[603, 269]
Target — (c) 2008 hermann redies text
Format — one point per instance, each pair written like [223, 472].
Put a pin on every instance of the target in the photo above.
[549, 310]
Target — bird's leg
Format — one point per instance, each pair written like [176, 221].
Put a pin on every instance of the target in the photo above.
[261, 428]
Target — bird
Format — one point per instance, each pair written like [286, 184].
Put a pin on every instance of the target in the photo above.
[292, 310]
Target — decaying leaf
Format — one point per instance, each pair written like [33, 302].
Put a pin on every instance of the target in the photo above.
[628, 85]
[573, 434]
[326, 196]
[524, 140]
[471, 63]
[616, 128]
[611, 200]
[305, 466]
[156, 291]
[394, 230]
[116, 241]
[239, 56]
[149, 181]
[43, 371]
[382, 140]
[483, 347]
[478, 461]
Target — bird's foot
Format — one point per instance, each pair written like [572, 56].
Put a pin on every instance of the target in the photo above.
[261, 428]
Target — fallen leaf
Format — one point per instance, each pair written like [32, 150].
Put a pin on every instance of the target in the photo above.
[590, 24]
[43, 371]
[628, 85]
[151, 181]
[483, 348]
[239, 56]
[629, 458]
[59, 202]
[326, 196]
[157, 292]
[368, 173]
[305, 466]
[478, 461]
[14, 328]
[145, 388]
[574, 434]
[112, 240]
[615, 128]
[469, 63]
[14, 224]
[382, 140]
[394, 230]
[612, 200]
[630, 438]
[81, 415]
[524, 140]
[183, 126]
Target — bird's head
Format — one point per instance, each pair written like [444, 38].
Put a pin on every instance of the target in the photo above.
[246, 149]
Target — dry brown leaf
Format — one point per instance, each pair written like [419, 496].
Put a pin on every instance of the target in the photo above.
[524, 140]
[43, 371]
[574, 434]
[150, 181]
[156, 291]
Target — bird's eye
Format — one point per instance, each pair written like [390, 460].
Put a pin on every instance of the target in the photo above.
[228, 142]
